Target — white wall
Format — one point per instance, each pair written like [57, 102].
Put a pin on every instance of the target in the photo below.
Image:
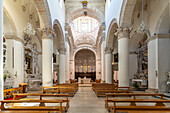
[152, 64]
[112, 12]
[57, 12]
[132, 65]
[163, 63]
[18, 62]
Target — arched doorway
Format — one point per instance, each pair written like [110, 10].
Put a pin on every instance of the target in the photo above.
[85, 64]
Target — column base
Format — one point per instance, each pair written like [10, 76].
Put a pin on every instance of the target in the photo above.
[67, 82]
[103, 82]
[150, 90]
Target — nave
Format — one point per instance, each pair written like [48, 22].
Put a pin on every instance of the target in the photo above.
[85, 101]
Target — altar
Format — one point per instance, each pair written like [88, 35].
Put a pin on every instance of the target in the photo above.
[84, 80]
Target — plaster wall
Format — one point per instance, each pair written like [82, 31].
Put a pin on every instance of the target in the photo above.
[112, 12]
[132, 65]
[9, 56]
[57, 12]
[163, 63]
[152, 64]
[18, 62]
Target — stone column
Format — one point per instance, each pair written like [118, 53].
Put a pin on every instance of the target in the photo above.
[108, 65]
[123, 50]
[67, 63]
[62, 52]
[103, 61]
[47, 56]
[1, 51]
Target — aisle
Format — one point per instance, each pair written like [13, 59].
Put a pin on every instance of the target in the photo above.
[85, 101]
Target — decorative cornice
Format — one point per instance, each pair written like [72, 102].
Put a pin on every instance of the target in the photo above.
[123, 33]
[47, 33]
[62, 50]
[108, 50]
[157, 36]
[14, 37]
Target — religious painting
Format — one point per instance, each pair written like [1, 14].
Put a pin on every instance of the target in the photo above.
[28, 60]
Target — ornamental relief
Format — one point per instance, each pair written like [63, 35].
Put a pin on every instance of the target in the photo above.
[84, 40]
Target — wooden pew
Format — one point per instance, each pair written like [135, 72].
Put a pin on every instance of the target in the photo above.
[8, 93]
[134, 95]
[62, 88]
[159, 106]
[59, 108]
[66, 100]
[102, 89]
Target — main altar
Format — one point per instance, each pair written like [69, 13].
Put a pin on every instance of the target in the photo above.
[84, 80]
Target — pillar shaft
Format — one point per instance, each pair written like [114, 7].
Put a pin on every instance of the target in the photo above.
[123, 50]
[1, 50]
[62, 66]
[108, 65]
[67, 64]
[47, 57]
[103, 61]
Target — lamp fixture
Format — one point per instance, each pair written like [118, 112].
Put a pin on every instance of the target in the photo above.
[29, 30]
[142, 26]
[84, 3]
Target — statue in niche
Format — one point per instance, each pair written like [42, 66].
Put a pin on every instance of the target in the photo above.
[25, 66]
[36, 70]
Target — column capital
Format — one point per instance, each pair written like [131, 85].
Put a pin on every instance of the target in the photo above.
[62, 50]
[123, 32]
[108, 50]
[47, 33]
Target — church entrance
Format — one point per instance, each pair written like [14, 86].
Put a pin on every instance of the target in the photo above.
[85, 66]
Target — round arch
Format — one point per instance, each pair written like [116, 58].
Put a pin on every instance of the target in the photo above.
[161, 18]
[110, 34]
[59, 34]
[127, 12]
[90, 12]
[82, 48]
[10, 21]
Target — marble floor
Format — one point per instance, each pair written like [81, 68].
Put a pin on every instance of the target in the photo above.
[85, 101]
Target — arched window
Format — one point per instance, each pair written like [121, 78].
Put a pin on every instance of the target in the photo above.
[85, 24]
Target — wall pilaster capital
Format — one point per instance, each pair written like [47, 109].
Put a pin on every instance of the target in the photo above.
[123, 32]
[108, 50]
[62, 50]
[47, 33]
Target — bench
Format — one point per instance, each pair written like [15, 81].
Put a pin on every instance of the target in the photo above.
[134, 95]
[62, 89]
[159, 106]
[8, 93]
[59, 108]
[101, 90]
[46, 95]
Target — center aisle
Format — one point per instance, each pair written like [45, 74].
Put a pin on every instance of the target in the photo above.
[85, 101]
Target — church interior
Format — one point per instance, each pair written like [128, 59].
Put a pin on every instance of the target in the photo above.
[85, 56]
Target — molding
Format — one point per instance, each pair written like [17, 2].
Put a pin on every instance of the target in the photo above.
[108, 50]
[47, 33]
[132, 52]
[123, 33]
[62, 50]
[13, 37]
[158, 36]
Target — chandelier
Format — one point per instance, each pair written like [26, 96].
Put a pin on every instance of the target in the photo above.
[29, 30]
[142, 27]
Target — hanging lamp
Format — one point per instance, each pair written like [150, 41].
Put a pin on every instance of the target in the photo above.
[29, 30]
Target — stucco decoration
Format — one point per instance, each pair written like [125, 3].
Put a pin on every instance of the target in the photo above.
[85, 40]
